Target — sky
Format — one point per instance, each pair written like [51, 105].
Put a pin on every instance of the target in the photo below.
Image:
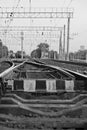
[78, 25]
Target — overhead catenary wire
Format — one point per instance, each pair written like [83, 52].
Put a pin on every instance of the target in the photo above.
[67, 3]
[64, 3]
[8, 22]
[12, 15]
[11, 19]
[70, 3]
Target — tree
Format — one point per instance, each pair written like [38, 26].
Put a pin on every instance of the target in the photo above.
[11, 54]
[4, 51]
[51, 54]
[18, 54]
[1, 43]
[43, 44]
[42, 47]
[36, 53]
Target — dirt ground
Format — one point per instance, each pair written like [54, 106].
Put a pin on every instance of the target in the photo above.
[5, 128]
[9, 122]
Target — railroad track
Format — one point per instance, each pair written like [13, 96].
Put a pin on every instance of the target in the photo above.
[74, 66]
[36, 89]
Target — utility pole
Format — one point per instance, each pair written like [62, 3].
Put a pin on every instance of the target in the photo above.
[29, 6]
[60, 46]
[30, 13]
[68, 30]
[22, 38]
[64, 43]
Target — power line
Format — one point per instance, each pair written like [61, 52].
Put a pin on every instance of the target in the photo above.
[18, 3]
[12, 14]
[64, 2]
[70, 3]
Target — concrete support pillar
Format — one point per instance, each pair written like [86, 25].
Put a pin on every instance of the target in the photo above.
[22, 38]
[68, 31]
